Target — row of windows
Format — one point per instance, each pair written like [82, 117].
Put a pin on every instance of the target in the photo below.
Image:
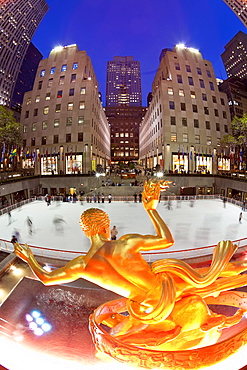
[60, 82]
[198, 70]
[59, 95]
[70, 107]
[196, 123]
[191, 82]
[63, 69]
[56, 123]
[195, 109]
[181, 92]
[185, 139]
[55, 139]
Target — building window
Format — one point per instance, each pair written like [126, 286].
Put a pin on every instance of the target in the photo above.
[206, 111]
[70, 106]
[197, 139]
[80, 136]
[194, 108]
[207, 125]
[56, 122]
[179, 79]
[224, 114]
[55, 139]
[171, 104]
[33, 141]
[201, 82]
[35, 112]
[61, 80]
[73, 78]
[185, 138]
[183, 106]
[58, 108]
[64, 68]
[196, 123]
[52, 70]
[48, 96]
[46, 110]
[217, 126]
[208, 73]
[37, 99]
[211, 85]
[226, 128]
[24, 129]
[71, 92]
[173, 120]
[192, 94]
[81, 105]
[34, 126]
[80, 120]
[44, 125]
[177, 66]
[170, 91]
[191, 82]
[199, 71]
[173, 136]
[43, 140]
[50, 81]
[214, 99]
[68, 138]
[28, 101]
[209, 140]
[69, 121]
[222, 101]
[181, 92]
[27, 114]
[216, 113]
[204, 97]
[188, 69]
[42, 73]
[40, 85]
[75, 65]
[83, 91]
[184, 121]
[60, 94]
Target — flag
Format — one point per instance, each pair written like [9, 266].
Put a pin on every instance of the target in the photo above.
[178, 152]
[3, 152]
[183, 153]
[191, 154]
[241, 155]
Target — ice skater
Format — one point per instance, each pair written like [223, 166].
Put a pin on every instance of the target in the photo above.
[29, 225]
[240, 217]
[58, 223]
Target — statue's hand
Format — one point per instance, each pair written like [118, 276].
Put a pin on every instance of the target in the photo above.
[23, 251]
[151, 194]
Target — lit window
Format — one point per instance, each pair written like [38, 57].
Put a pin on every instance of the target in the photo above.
[192, 94]
[60, 94]
[83, 91]
[52, 70]
[24, 128]
[50, 81]
[209, 140]
[170, 91]
[80, 120]
[197, 139]
[44, 125]
[28, 101]
[42, 73]
[46, 110]
[185, 138]
[37, 99]
[75, 65]
[117, 134]
[81, 105]
[48, 96]
[61, 80]
[173, 136]
[69, 121]
[64, 68]
[70, 106]
[34, 126]
[73, 78]
[56, 122]
[181, 92]
[58, 108]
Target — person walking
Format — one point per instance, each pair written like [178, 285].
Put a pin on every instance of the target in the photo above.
[244, 205]
[240, 217]
[114, 233]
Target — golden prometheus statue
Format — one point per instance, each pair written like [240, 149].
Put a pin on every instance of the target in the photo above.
[164, 318]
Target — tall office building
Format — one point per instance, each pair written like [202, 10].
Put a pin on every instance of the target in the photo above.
[123, 82]
[187, 117]
[235, 56]
[239, 8]
[19, 21]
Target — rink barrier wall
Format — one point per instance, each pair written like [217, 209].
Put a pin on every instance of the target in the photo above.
[202, 253]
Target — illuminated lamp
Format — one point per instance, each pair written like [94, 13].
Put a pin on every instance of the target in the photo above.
[57, 48]
[181, 46]
[193, 50]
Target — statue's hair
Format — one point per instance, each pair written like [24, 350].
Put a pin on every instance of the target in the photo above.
[93, 221]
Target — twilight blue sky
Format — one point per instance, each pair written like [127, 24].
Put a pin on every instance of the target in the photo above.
[142, 28]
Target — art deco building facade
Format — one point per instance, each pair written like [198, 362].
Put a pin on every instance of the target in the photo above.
[65, 129]
[235, 56]
[240, 9]
[19, 21]
[236, 91]
[187, 117]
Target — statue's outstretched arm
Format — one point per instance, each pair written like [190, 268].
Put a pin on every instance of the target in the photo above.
[72, 271]
[150, 199]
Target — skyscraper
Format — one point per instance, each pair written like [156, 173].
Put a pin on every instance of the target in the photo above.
[19, 21]
[235, 56]
[123, 82]
[239, 8]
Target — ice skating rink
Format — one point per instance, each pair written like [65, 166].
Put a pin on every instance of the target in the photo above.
[204, 224]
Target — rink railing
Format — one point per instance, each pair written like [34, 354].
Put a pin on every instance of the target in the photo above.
[203, 253]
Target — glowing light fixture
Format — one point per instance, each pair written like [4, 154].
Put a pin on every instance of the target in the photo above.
[58, 48]
[181, 46]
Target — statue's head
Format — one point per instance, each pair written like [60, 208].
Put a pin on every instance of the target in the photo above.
[94, 221]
